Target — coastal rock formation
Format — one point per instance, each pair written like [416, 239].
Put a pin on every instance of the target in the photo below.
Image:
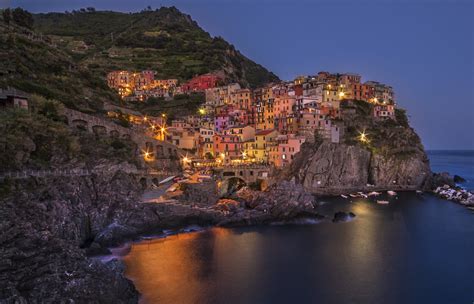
[342, 216]
[456, 194]
[340, 168]
[283, 202]
[49, 225]
[43, 225]
[391, 157]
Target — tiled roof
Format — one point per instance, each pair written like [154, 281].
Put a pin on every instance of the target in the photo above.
[264, 132]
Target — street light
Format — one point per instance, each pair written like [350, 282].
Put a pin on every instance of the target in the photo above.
[363, 137]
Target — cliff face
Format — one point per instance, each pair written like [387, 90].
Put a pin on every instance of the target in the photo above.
[43, 225]
[393, 159]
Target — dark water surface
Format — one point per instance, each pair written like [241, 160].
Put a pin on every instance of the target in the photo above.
[454, 162]
[414, 250]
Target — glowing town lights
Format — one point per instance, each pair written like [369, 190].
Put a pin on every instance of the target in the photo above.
[163, 115]
[145, 118]
[186, 160]
[375, 99]
[363, 137]
[222, 155]
[153, 127]
[329, 86]
[202, 111]
[244, 154]
[341, 94]
[147, 155]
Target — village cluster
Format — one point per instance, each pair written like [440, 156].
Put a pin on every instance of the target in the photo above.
[267, 125]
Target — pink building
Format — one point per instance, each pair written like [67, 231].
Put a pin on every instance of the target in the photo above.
[228, 145]
[384, 111]
[284, 151]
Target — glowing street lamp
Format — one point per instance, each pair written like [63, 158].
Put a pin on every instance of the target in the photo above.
[162, 132]
[341, 94]
[147, 155]
[202, 111]
[363, 137]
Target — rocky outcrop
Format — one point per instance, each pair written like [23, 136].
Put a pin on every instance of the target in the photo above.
[339, 168]
[390, 157]
[456, 194]
[284, 202]
[49, 225]
[341, 216]
[45, 222]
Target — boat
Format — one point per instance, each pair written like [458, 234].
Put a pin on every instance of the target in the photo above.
[374, 193]
[353, 195]
[362, 194]
[382, 202]
[419, 192]
[166, 180]
[344, 196]
[391, 192]
[172, 188]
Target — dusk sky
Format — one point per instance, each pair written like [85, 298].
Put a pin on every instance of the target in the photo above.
[424, 49]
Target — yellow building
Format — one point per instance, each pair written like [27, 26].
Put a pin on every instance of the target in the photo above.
[263, 141]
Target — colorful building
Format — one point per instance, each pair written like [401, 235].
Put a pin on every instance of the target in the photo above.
[201, 83]
[283, 153]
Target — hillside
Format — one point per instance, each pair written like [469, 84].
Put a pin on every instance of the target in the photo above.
[36, 65]
[164, 40]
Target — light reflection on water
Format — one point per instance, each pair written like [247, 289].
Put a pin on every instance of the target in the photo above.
[389, 254]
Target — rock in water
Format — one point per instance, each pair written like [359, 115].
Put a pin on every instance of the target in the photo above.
[341, 216]
[458, 179]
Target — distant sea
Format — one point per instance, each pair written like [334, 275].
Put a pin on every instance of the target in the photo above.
[455, 162]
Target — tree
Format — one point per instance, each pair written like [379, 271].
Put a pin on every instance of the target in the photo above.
[22, 18]
[7, 15]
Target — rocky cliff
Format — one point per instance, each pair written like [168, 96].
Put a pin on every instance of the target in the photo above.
[392, 158]
[49, 227]
[45, 222]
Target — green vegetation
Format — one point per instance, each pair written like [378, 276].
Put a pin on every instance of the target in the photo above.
[19, 16]
[384, 137]
[41, 140]
[36, 66]
[180, 105]
[401, 117]
[165, 40]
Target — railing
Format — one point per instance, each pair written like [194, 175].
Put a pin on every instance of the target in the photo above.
[78, 172]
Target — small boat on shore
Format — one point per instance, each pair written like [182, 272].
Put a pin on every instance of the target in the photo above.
[419, 192]
[391, 193]
[344, 196]
[374, 193]
[353, 195]
[166, 180]
[382, 202]
[362, 194]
